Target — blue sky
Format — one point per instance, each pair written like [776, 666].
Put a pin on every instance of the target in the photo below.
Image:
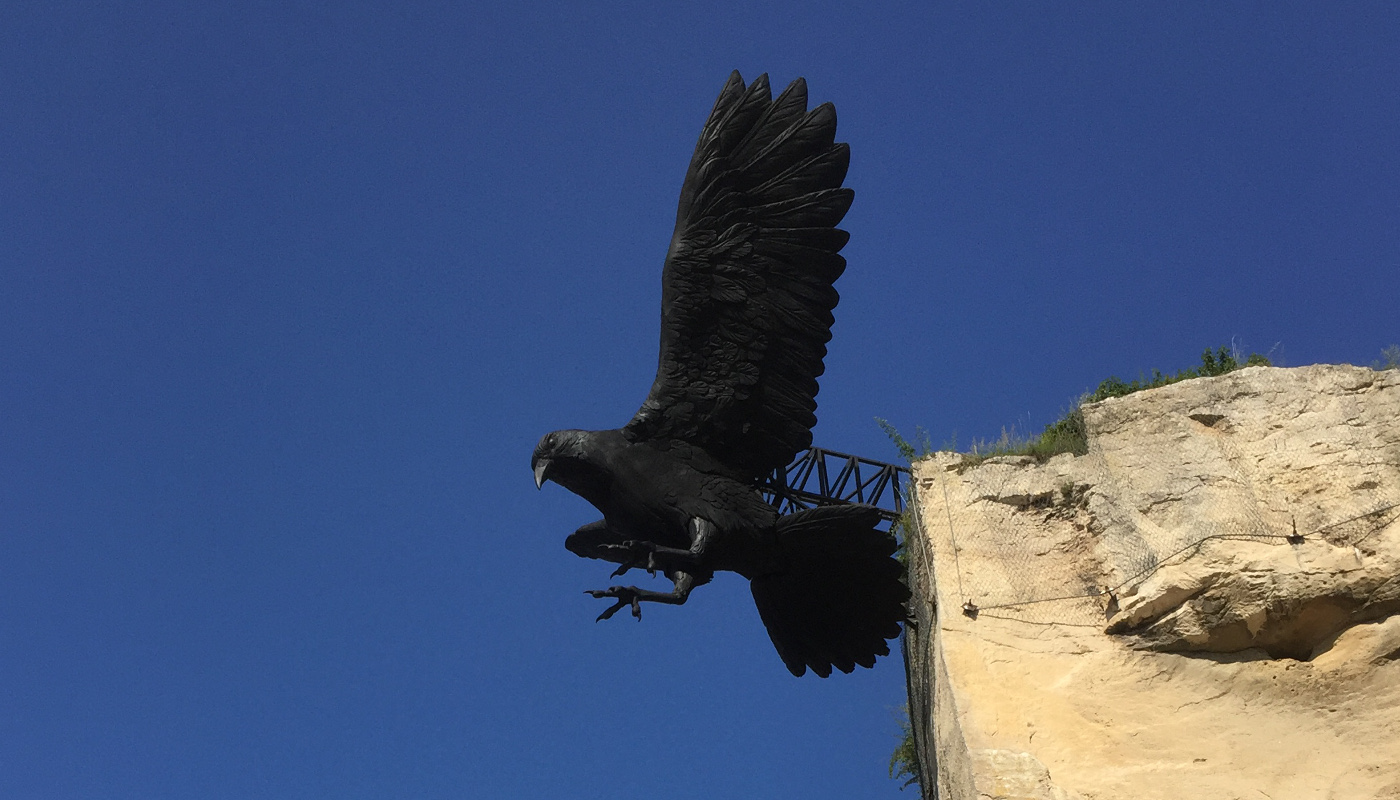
[289, 291]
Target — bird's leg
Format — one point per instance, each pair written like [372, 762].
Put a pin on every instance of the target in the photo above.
[701, 532]
[600, 540]
[633, 596]
[656, 556]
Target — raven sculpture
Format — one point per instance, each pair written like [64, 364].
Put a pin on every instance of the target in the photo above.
[745, 317]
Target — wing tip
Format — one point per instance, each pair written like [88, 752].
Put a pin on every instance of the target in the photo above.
[798, 87]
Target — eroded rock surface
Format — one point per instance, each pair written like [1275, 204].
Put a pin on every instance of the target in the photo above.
[1204, 605]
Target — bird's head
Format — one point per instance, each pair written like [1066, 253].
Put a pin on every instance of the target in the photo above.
[556, 448]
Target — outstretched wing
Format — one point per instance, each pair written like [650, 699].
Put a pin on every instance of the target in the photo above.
[747, 287]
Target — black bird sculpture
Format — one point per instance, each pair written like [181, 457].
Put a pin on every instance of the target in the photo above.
[746, 308]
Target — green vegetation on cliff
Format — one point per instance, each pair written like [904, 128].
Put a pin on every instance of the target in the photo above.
[1067, 434]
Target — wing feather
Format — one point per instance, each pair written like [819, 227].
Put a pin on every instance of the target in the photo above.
[826, 168]
[776, 118]
[747, 288]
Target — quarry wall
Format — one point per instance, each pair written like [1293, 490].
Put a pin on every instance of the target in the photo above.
[1204, 605]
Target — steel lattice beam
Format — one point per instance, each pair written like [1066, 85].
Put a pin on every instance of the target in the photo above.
[826, 477]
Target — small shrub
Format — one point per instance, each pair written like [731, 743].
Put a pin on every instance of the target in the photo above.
[900, 530]
[904, 763]
[906, 449]
[1065, 435]
[1390, 359]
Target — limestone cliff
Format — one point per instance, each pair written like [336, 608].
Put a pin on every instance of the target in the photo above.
[1204, 606]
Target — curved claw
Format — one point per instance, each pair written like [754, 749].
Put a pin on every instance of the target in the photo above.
[636, 549]
[626, 595]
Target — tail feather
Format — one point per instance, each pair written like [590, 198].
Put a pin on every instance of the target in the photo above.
[841, 594]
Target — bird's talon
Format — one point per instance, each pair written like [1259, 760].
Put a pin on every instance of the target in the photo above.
[613, 610]
[635, 549]
[625, 595]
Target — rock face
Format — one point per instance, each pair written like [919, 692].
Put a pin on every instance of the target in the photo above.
[1204, 605]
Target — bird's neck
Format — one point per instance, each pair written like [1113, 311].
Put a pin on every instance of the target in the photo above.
[583, 479]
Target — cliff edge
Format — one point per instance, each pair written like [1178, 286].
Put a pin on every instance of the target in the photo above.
[1204, 605]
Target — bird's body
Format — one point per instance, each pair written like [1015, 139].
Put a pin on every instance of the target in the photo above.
[651, 493]
[746, 313]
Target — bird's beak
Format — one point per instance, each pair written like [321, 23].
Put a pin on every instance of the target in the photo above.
[541, 469]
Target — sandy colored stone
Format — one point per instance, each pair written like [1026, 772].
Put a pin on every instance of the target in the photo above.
[1203, 606]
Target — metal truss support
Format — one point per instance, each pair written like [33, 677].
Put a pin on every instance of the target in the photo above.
[826, 477]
